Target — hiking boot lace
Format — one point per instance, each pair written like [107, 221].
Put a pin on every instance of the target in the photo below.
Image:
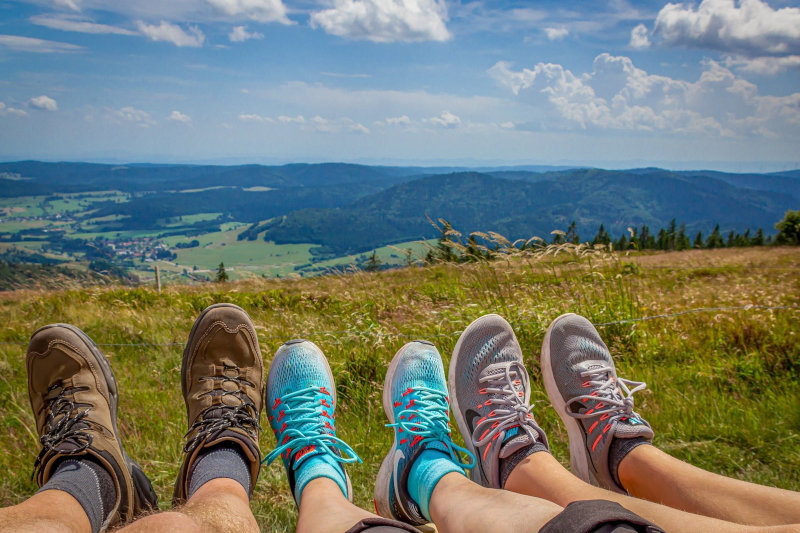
[218, 417]
[505, 386]
[607, 392]
[427, 418]
[64, 422]
[306, 427]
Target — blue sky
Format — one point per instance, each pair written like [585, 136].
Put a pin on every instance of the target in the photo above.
[615, 83]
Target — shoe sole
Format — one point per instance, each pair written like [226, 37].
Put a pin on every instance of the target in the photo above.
[476, 474]
[277, 360]
[384, 479]
[145, 496]
[579, 458]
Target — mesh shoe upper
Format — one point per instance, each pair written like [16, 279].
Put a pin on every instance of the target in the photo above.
[222, 379]
[74, 399]
[416, 403]
[491, 394]
[582, 384]
[301, 404]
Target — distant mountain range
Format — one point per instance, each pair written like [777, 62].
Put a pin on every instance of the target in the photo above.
[348, 208]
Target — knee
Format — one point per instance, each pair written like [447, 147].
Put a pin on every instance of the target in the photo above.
[166, 522]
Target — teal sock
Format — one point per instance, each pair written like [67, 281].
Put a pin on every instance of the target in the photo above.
[322, 465]
[427, 470]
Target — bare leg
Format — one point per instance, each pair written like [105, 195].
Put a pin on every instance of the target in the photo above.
[219, 506]
[540, 475]
[51, 511]
[459, 505]
[649, 473]
[324, 508]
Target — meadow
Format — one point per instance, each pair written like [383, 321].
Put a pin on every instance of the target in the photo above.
[723, 385]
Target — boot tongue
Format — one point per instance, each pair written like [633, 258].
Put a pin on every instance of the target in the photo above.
[514, 440]
[632, 427]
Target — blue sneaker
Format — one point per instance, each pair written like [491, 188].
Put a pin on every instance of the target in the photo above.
[415, 401]
[300, 401]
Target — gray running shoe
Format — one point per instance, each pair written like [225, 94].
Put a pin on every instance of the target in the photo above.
[490, 394]
[594, 404]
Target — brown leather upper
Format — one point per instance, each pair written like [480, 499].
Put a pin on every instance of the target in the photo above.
[222, 379]
[73, 395]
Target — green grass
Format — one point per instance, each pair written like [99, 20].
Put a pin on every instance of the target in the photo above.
[722, 392]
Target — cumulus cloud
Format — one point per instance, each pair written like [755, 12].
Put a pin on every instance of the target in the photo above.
[445, 120]
[130, 115]
[6, 110]
[556, 34]
[177, 116]
[616, 95]
[752, 29]
[402, 120]
[385, 20]
[639, 37]
[239, 34]
[257, 10]
[68, 23]
[40, 46]
[763, 65]
[252, 117]
[43, 103]
[172, 33]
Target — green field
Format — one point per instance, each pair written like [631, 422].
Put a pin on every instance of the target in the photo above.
[723, 386]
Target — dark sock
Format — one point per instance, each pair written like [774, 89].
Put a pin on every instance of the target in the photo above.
[86, 480]
[619, 449]
[508, 464]
[223, 461]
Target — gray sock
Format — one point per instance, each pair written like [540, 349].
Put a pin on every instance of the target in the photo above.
[223, 461]
[619, 449]
[89, 482]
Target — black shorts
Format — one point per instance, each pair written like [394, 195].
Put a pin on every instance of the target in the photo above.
[381, 525]
[598, 516]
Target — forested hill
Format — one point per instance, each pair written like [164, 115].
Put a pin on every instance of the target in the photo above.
[520, 208]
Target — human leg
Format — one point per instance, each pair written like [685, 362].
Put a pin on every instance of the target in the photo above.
[607, 438]
[486, 369]
[222, 378]
[301, 402]
[88, 482]
[422, 476]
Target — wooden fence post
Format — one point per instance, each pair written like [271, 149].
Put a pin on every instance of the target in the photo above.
[158, 280]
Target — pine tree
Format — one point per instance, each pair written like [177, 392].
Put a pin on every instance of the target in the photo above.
[698, 240]
[602, 236]
[373, 263]
[758, 239]
[672, 235]
[682, 241]
[572, 234]
[622, 243]
[222, 276]
[715, 239]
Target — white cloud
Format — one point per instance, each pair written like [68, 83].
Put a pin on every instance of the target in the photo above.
[556, 34]
[69, 4]
[385, 20]
[616, 95]
[639, 37]
[751, 29]
[764, 65]
[5, 110]
[41, 46]
[445, 120]
[299, 119]
[43, 103]
[78, 25]
[177, 116]
[402, 120]
[172, 33]
[239, 34]
[252, 117]
[257, 10]
[132, 115]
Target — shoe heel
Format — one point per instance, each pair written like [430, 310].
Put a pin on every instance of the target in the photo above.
[146, 498]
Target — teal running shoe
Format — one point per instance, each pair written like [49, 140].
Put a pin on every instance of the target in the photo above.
[415, 401]
[300, 401]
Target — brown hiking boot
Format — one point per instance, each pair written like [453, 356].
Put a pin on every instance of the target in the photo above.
[74, 399]
[222, 379]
